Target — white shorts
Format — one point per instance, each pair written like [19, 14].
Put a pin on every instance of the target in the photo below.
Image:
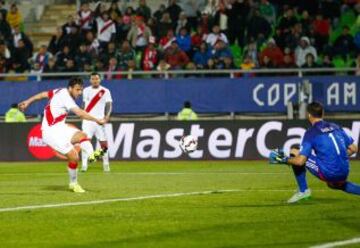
[59, 137]
[93, 129]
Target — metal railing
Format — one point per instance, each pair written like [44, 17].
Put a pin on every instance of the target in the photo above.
[177, 73]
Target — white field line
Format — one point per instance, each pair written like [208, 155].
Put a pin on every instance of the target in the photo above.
[95, 202]
[148, 173]
[139, 198]
[338, 243]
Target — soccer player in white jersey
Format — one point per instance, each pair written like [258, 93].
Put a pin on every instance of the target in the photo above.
[57, 134]
[97, 102]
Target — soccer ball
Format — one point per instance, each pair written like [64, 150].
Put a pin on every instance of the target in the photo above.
[188, 143]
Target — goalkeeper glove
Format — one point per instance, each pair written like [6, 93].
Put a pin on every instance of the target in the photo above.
[277, 156]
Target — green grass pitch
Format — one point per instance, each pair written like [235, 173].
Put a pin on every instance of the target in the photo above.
[254, 216]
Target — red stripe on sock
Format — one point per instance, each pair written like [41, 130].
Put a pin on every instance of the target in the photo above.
[83, 140]
[73, 165]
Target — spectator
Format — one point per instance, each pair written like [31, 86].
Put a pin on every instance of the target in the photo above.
[165, 42]
[105, 29]
[163, 66]
[205, 23]
[327, 62]
[62, 58]
[125, 56]
[21, 56]
[287, 21]
[150, 56]
[159, 13]
[114, 11]
[112, 68]
[251, 50]
[175, 57]
[70, 66]
[17, 35]
[292, 38]
[121, 30]
[237, 13]
[42, 57]
[273, 53]
[57, 41]
[247, 64]
[202, 56]
[191, 9]
[306, 22]
[182, 23]
[110, 52]
[139, 34]
[197, 38]
[344, 44]
[174, 10]
[310, 61]
[3, 10]
[5, 51]
[183, 40]
[129, 12]
[266, 63]
[5, 29]
[321, 28]
[73, 39]
[267, 10]
[302, 50]
[50, 68]
[221, 18]
[153, 26]
[14, 114]
[165, 25]
[220, 53]
[187, 114]
[92, 44]
[280, 38]
[35, 72]
[216, 35]
[3, 66]
[69, 25]
[82, 57]
[143, 10]
[289, 60]
[258, 26]
[85, 18]
[14, 17]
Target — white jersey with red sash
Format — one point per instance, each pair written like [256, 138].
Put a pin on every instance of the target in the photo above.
[85, 19]
[95, 100]
[105, 29]
[60, 103]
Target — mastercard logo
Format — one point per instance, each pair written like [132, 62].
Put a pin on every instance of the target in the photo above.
[39, 149]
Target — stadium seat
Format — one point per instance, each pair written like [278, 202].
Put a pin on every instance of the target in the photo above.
[237, 53]
[339, 62]
[335, 33]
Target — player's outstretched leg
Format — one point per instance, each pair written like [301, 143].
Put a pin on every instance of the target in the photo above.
[106, 164]
[73, 158]
[347, 187]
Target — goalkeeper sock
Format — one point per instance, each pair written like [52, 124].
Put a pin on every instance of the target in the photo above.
[300, 175]
[352, 188]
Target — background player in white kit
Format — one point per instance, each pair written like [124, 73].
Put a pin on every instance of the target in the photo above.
[97, 102]
[60, 136]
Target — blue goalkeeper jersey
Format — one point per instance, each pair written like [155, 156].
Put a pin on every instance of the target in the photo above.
[327, 143]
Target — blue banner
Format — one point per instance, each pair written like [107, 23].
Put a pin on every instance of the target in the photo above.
[207, 95]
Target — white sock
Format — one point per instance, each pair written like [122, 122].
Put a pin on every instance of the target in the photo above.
[84, 160]
[72, 172]
[106, 159]
[87, 147]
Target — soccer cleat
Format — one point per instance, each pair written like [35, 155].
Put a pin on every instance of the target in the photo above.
[83, 169]
[106, 168]
[299, 196]
[76, 188]
[96, 155]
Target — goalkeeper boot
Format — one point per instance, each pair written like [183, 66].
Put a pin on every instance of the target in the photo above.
[96, 155]
[299, 196]
[76, 188]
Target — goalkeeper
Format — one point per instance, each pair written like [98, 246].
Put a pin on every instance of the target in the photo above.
[325, 152]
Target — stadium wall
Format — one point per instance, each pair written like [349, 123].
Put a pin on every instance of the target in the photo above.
[207, 95]
[218, 140]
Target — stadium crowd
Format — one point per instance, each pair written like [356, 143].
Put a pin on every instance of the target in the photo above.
[213, 34]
